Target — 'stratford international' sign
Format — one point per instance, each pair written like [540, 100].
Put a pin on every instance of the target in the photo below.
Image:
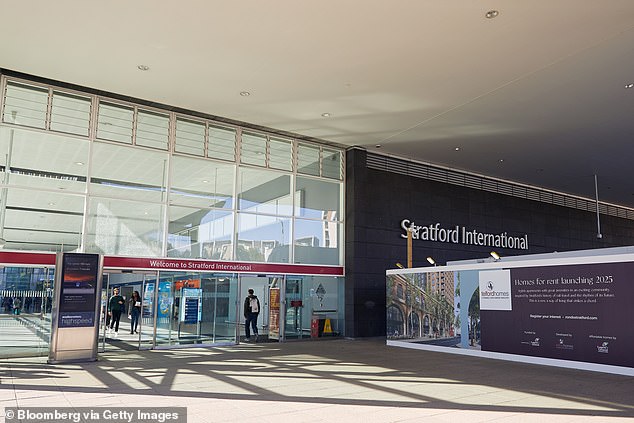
[461, 235]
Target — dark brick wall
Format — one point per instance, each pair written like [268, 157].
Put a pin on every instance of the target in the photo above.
[377, 201]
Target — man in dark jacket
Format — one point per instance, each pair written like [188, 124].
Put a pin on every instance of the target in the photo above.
[116, 305]
[251, 311]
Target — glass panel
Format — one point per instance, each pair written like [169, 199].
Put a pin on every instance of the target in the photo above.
[190, 137]
[200, 233]
[202, 183]
[263, 238]
[115, 123]
[41, 220]
[324, 301]
[280, 154]
[294, 327]
[196, 308]
[317, 199]
[260, 285]
[222, 143]
[264, 191]
[318, 242]
[70, 113]
[43, 160]
[308, 159]
[25, 105]
[25, 311]
[128, 172]
[125, 228]
[166, 311]
[253, 149]
[332, 165]
[152, 130]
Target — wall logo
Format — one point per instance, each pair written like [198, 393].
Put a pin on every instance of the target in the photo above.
[603, 348]
[495, 290]
[563, 345]
[461, 235]
[534, 343]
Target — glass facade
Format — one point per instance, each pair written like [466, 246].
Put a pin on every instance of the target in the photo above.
[85, 173]
[81, 172]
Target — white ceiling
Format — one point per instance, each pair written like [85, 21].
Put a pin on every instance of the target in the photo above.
[541, 87]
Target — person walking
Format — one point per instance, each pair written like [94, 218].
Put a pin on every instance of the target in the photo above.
[251, 311]
[116, 305]
[134, 311]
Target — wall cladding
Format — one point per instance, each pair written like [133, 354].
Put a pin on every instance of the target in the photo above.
[377, 201]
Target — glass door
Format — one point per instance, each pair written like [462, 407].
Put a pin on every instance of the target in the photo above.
[25, 310]
[293, 307]
[267, 288]
[128, 328]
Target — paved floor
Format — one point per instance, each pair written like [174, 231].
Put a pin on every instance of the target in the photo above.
[321, 381]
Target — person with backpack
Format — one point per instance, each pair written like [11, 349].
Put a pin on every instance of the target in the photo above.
[251, 311]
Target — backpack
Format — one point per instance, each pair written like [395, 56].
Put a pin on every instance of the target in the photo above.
[253, 303]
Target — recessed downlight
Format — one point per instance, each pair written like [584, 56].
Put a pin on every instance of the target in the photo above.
[245, 93]
[492, 14]
[501, 160]
[143, 68]
[325, 114]
[457, 148]
[630, 85]
[79, 163]
[205, 181]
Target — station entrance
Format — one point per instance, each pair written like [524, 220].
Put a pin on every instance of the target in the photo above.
[177, 308]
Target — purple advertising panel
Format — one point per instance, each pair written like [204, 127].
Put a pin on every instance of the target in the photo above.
[80, 273]
[573, 312]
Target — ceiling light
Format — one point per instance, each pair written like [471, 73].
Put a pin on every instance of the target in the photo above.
[501, 160]
[378, 146]
[492, 14]
[457, 148]
[495, 255]
[630, 85]
[143, 68]
[205, 181]
[325, 115]
[245, 93]
[51, 204]
[79, 163]
[431, 261]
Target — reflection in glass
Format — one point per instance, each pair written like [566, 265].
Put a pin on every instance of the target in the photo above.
[40, 160]
[128, 172]
[41, 220]
[202, 183]
[264, 191]
[318, 242]
[317, 199]
[122, 227]
[200, 233]
[263, 238]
